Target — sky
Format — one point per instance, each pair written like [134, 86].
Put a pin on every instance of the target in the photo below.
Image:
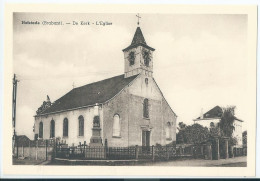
[200, 61]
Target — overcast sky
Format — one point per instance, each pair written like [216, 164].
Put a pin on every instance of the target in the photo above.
[199, 62]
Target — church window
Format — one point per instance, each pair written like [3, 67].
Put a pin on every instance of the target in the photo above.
[168, 131]
[52, 130]
[65, 127]
[146, 108]
[131, 58]
[116, 125]
[81, 125]
[146, 56]
[41, 130]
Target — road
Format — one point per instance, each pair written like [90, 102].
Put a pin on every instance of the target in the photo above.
[231, 162]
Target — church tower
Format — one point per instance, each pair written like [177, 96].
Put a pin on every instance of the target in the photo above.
[138, 56]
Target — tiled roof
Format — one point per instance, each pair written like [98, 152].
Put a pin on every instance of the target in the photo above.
[97, 92]
[138, 40]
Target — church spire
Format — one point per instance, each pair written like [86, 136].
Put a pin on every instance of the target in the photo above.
[138, 37]
[138, 40]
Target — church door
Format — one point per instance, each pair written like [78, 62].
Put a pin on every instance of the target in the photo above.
[145, 138]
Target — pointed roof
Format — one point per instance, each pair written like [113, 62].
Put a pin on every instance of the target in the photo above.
[215, 112]
[138, 37]
[90, 94]
[138, 40]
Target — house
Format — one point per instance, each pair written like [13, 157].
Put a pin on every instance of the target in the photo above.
[124, 110]
[22, 140]
[212, 118]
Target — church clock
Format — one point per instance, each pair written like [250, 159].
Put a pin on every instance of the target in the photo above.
[131, 58]
[146, 56]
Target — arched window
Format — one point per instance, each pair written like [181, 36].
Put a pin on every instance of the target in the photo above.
[146, 108]
[41, 130]
[52, 130]
[81, 125]
[65, 127]
[116, 125]
[168, 130]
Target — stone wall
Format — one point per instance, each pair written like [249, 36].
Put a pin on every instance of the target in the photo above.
[34, 152]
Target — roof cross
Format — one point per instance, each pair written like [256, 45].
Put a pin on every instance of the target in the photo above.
[138, 17]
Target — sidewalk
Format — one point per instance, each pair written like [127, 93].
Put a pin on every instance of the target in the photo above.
[237, 162]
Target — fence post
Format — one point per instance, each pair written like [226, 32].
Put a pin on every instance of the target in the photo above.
[153, 155]
[136, 152]
[17, 146]
[55, 148]
[80, 147]
[22, 151]
[106, 148]
[84, 148]
[167, 151]
[46, 145]
[36, 154]
[29, 150]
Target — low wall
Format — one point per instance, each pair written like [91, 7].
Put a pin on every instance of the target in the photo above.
[34, 152]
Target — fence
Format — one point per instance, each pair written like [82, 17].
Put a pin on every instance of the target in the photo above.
[81, 153]
[240, 151]
[121, 153]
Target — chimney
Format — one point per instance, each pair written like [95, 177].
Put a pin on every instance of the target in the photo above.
[201, 114]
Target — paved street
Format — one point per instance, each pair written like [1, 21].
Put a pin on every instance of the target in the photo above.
[232, 162]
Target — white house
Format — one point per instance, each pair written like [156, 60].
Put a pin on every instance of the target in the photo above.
[212, 118]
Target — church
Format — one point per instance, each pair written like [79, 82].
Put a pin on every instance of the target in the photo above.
[125, 110]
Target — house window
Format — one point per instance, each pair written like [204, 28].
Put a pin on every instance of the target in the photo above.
[116, 125]
[41, 130]
[168, 131]
[146, 108]
[65, 127]
[212, 125]
[52, 130]
[146, 81]
[81, 126]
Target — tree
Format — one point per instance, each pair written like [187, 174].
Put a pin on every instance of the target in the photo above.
[181, 126]
[226, 122]
[244, 138]
[193, 134]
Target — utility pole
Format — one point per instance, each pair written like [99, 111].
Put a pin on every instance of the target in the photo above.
[14, 110]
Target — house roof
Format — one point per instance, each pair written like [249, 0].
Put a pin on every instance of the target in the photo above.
[90, 94]
[214, 113]
[138, 40]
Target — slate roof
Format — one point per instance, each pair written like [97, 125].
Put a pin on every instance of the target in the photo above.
[215, 112]
[138, 40]
[97, 92]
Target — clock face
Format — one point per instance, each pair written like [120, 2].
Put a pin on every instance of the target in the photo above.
[131, 58]
[146, 56]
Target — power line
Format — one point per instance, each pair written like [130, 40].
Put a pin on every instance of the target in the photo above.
[22, 78]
